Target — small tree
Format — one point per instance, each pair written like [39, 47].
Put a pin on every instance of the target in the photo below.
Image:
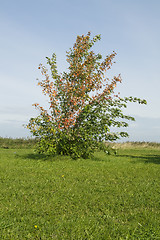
[82, 104]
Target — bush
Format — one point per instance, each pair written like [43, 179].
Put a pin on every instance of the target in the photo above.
[82, 104]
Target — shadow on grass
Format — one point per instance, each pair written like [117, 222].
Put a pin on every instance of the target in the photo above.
[54, 158]
[145, 159]
[100, 157]
[42, 157]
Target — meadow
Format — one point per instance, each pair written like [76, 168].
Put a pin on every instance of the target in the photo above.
[106, 197]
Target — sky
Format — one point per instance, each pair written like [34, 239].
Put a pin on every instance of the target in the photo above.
[32, 30]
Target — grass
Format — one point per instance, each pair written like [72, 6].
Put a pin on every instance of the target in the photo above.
[106, 197]
[136, 145]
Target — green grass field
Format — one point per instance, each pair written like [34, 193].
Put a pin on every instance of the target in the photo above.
[106, 197]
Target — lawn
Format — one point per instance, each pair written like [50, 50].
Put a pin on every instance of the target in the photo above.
[106, 197]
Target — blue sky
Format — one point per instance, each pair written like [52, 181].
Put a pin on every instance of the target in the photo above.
[32, 30]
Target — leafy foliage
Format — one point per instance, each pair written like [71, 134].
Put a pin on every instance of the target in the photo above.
[82, 103]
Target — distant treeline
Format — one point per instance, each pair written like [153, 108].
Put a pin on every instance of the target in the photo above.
[17, 143]
[7, 143]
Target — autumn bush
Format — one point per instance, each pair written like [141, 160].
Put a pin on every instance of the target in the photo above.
[82, 104]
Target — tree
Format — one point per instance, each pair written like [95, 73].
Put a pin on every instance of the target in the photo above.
[82, 104]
